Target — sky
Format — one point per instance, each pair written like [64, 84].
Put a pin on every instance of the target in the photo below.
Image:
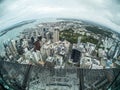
[104, 12]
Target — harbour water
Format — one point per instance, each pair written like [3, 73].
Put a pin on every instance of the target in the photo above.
[13, 33]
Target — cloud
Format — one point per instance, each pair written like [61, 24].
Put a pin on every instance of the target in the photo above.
[105, 12]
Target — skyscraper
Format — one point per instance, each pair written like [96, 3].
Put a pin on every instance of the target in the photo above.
[56, 35]
[37, 45]
[79, 40]
[75, 56]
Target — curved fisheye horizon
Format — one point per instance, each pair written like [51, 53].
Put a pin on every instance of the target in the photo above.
[53, 19]
[86, 39]
[59, 44]
[57, 53]
[18, 24]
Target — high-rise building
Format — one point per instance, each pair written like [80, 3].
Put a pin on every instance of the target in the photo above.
[56, 35]
[75, 56]
[11, 47]
[48, 36]
[111, 51]
[37, 45]
[25, 43]
[79, 40]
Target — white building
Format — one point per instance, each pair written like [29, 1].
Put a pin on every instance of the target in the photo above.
[56, 35]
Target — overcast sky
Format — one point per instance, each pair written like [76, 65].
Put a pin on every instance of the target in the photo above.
[104, 12]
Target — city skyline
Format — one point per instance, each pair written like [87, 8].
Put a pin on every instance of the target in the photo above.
[59, 44]
[64, 43]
